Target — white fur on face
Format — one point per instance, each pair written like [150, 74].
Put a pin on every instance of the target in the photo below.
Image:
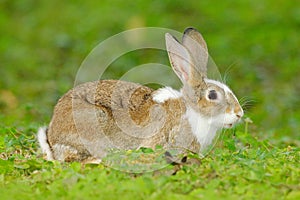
[219, 84]
[229, 118]
[166, 93]
[225, 120]
[226, 89]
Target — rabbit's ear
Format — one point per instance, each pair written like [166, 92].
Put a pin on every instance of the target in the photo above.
[182, 62]
[197, 47]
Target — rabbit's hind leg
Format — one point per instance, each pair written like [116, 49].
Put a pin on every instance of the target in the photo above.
[68, 153]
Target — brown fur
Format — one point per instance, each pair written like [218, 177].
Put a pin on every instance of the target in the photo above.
[78, 117]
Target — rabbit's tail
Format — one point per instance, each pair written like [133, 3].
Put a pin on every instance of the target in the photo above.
[44, 144]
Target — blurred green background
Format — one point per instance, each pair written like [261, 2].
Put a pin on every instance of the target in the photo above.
[43, 43]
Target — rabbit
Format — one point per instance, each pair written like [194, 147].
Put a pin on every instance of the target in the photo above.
[95, 117]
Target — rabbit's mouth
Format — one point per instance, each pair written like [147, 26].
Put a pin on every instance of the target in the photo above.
[228, 125]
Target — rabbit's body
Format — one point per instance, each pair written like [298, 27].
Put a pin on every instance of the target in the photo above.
[95, 117]
[90, 119]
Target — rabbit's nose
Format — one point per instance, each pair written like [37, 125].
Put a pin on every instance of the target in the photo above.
[238, 111]
[240, 114]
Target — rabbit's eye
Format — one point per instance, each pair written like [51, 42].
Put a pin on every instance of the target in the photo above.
[212, 95]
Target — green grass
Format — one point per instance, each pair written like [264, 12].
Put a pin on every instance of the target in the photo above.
[240, 167]
[43, 43]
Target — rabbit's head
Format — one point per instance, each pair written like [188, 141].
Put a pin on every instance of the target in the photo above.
[204, 97]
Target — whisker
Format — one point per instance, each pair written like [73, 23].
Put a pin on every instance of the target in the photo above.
[247, 102]
[243, 98]
[247, 105]
[227, 72]
[247, 98]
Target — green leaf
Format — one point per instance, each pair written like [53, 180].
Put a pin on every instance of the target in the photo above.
[22, 166]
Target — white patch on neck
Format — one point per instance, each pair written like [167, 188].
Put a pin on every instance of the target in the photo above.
[166, 93]
[202, 127]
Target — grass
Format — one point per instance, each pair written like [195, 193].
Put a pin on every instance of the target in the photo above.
[43, 43]
[240, 167]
